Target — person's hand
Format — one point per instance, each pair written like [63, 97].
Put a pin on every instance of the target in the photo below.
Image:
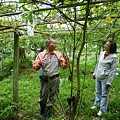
[93, 77]
[36, 65]
[67, 60]
[36, 62]
[107, 86]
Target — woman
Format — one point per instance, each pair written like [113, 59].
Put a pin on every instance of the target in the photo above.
[104, 74]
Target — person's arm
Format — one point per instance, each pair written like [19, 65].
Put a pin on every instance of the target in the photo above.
[64, 62]
[94, 73]
[37, 63]
[112, 72]
[96, 67]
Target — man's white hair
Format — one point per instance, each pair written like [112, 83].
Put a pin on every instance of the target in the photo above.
[48, 41]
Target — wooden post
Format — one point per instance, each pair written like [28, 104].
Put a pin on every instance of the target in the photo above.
[15, 67]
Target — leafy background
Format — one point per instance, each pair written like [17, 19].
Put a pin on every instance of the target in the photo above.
[65, 24]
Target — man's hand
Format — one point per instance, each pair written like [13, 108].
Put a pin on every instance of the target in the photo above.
[36, 65]
[107, 86]
[67, 60]
[93, 77]
[36, 62]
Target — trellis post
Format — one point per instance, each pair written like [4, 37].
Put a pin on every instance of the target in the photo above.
[15, 67]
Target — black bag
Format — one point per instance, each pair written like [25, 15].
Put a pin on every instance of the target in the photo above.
[44, 78]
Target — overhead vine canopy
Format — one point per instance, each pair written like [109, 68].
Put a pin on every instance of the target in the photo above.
[52, 17]
[55, 16]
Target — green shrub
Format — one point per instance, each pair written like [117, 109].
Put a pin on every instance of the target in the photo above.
[9, 112]
[7, 68]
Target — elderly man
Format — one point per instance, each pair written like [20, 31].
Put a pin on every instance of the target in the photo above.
[49, 61]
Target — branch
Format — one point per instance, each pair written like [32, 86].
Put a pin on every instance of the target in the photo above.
[103, 38]
[82, 46]
[53, 7]
[10, 14]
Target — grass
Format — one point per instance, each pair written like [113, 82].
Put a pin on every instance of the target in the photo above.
[28, 98]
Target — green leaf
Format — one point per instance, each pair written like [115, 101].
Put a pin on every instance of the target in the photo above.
[30, 18]
[22, 1]
[24, 8]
